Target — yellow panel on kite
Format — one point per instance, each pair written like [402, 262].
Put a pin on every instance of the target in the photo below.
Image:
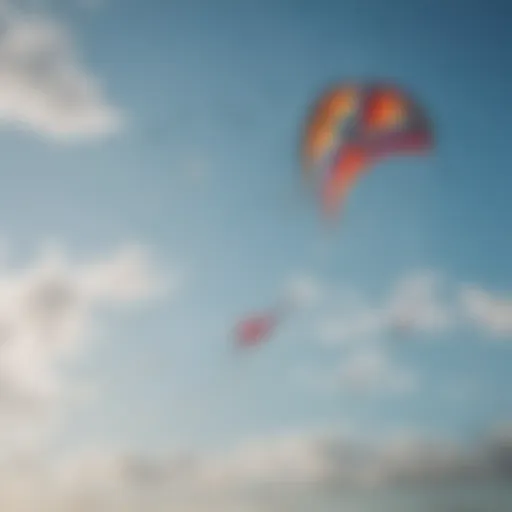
[322, 132]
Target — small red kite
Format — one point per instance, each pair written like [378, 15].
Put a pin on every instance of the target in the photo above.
[256, 329]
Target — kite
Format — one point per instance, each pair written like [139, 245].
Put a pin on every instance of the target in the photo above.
[258, 328]
[353, 127]
[255, 329]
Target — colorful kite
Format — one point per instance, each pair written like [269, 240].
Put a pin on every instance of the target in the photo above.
[353, 127]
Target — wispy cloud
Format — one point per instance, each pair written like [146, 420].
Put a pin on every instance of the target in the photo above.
[371, 371]
[47, 312]
[418, 303]
[44, 86]
[491, 313]
[415, 303]
[361, 371]
[421, 302]
[304, 290]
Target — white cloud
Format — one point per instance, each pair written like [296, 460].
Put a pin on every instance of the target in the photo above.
[491, 313]
[414, 304]
[282, 465]
[43, 85]
[421, 302]
[304, 291]
[370, 371]
[288, 459]
[47, 311]
[271, 474]
[125, 277]
[362, 371]
[352, 328]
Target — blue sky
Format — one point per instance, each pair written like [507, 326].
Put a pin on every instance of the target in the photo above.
[204, 173]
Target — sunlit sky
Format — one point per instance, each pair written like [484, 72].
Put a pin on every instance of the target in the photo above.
[203, 172]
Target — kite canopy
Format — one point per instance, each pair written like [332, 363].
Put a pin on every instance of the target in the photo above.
[255, 329]
[353, 127]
